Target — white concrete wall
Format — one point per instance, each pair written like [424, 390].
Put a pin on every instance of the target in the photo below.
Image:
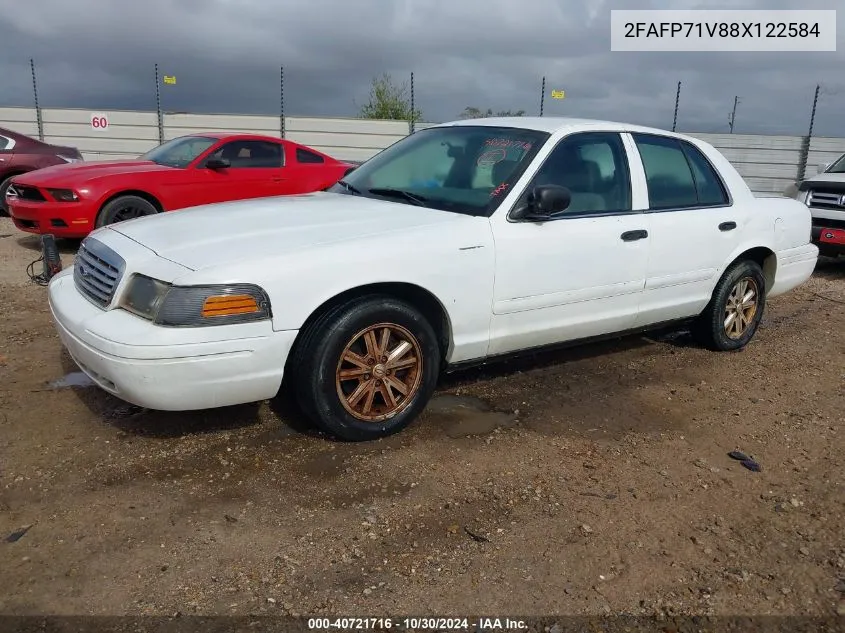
[823, 150]
[768, 163]
[132, 133]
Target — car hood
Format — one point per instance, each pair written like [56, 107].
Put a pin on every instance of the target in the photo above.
[826, 177]
[76, 173]
[212, 235]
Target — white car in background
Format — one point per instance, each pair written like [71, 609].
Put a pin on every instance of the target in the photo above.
[459, 244]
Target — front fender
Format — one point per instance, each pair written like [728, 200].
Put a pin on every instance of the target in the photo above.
[456, 268]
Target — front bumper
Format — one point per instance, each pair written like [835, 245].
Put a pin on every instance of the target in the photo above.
[169, 369]
[62, 219]
[831, 241]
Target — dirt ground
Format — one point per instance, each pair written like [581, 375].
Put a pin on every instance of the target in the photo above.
[592, 481]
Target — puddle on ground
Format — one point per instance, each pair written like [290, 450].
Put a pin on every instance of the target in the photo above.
[463, 416]
[73, 379]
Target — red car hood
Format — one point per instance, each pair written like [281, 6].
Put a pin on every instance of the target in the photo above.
[74, 174]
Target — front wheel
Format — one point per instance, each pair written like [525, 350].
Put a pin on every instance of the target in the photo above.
[124, 208]
[4, 187]
[366, 369]
[731, 318]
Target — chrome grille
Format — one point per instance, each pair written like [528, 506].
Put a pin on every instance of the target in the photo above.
[97, 271]
[827, 200]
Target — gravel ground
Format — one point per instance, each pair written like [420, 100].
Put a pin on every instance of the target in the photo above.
[590, 481]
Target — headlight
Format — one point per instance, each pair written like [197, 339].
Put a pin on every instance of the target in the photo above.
[69, 159]
[143, 296]
[195, 306]
[63, 195]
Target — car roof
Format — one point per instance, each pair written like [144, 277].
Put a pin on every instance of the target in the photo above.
[236, 135]
[21, 138]
[553, 125]
[219, 135]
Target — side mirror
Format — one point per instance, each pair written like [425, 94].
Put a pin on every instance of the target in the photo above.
[217, 163]
[822, 168]
[544, 203]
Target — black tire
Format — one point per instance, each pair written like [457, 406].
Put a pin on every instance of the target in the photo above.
[710, 328]
[317, 365]
[124, 208]
[4, 186]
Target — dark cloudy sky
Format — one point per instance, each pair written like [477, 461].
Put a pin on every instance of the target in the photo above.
[226, 54]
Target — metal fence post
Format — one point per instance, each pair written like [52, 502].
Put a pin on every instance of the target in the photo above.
[38, 117]
[733, 115]
[158, 109]
[411, 125]
[542, 96]
[282, 101]
[805, 150]
[677, 100]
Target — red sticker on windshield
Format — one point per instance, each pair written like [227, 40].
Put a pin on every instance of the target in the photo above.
[498, 190]
[491, 157]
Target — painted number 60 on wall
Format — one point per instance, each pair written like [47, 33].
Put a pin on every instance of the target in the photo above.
[99, 121]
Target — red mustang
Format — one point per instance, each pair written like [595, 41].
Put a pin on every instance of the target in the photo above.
[72, 200]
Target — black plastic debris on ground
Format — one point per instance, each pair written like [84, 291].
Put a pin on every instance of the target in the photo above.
[17, 534]
[746, 460]
[476, 537]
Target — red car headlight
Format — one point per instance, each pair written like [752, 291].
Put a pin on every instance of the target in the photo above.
[63, 195]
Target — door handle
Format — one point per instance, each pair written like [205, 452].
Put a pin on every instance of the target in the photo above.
[632, 236]
[727, 226]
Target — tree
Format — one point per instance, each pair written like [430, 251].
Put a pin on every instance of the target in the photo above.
[389, 101]
[471, 112]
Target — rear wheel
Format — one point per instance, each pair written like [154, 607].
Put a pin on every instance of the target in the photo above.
[124, 208]
[731, 318]
[366, 369]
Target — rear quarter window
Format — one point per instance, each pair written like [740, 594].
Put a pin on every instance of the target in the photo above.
[308, 158]
[709, 185]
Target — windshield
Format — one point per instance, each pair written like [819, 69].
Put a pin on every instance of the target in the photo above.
[837, 167]
[180, 152]
[460, 168]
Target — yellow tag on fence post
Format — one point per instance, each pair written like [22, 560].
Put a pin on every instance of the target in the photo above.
[170, 79]
[558, 94]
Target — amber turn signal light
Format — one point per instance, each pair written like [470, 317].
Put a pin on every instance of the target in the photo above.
[227, 305]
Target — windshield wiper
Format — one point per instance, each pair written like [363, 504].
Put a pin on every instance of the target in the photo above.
[398, 193]
[349, 187]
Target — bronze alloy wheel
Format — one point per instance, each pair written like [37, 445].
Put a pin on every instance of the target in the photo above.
[741, 307]
[380, 372]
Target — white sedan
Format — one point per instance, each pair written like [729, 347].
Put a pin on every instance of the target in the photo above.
[457, 245]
